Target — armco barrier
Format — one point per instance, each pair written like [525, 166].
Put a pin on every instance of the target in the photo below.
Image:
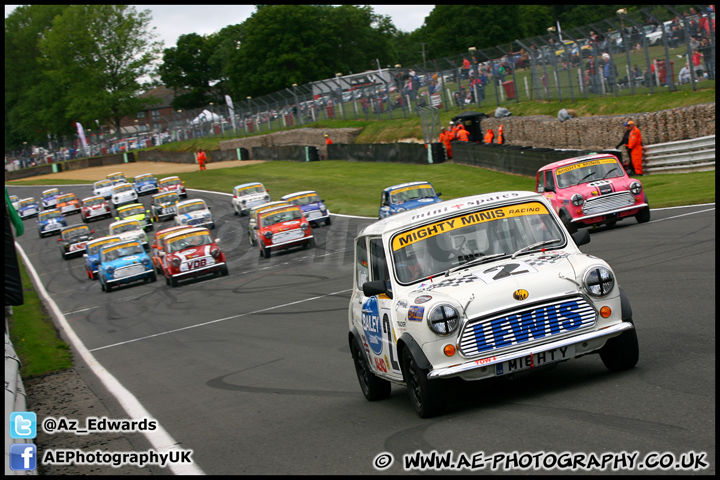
[297, 153]
[695, 155]
[512, 159]
[379, 152]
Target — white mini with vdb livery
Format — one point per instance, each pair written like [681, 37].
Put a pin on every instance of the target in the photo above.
[476, 288]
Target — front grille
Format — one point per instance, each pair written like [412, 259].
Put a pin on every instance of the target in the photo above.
[287, 236]
[525, 326]
[129, 271]
[608, 203]
[314, 214]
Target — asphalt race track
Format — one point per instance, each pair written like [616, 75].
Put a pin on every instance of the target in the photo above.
[253, 373]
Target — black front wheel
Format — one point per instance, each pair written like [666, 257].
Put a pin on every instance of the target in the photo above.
[643, 216]
[372, 387]
[621, 352]
[425, 394]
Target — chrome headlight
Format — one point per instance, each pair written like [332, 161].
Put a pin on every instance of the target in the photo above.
[443, 319]
[268, 234]
[323, 208]
[577, 200]
[635, 188]
[400, 210]
[183, 220]
[110, 270]
[599, 281]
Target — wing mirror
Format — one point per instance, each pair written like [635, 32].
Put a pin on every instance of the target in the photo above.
[378, 287]
[581, 237]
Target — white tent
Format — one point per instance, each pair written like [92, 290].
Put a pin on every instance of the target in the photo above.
[206, 116]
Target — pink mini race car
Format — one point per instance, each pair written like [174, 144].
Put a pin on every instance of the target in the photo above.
[592, 190]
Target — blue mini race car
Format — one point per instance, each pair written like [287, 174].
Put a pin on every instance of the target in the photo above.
[28, 207]
[124, 262]
[311, 205]
[49, 198]
[145, 183]
[50, 222]
[407, 196]
[92, 254]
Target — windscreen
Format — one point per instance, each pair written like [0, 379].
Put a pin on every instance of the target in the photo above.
[434, 248]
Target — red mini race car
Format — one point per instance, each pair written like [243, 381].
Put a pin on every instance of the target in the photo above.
[94, 208]
[172, 184]
[282, 227]
[158, 245]
[189, 253]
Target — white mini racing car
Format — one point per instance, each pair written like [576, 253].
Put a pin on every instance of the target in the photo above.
[476, 288]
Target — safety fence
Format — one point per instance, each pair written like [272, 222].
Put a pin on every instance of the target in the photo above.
[15, 400]
[696, 155]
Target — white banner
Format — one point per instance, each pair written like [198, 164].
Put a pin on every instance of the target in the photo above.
[229, 102]
[81, 133]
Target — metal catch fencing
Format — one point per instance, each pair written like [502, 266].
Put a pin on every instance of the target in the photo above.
[695, 155]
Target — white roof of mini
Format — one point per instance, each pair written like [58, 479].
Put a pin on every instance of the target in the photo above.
[409, 184]
[297, 194]
[251, 184]
[185, 232]
[103, 239]
[446, 209]
[93, 198]
[122, 222]
[192, 200]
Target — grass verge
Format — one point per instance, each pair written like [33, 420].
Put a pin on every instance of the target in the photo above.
[353, 188]
[34, 336]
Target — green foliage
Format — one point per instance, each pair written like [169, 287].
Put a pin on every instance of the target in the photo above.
[97, 53]
[286, 44]
[25, 93]
[188, 70]
[65, 64]
[34, 337]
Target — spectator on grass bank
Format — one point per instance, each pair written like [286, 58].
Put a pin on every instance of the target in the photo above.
[684, 75]
[697, 64]
[705, 50]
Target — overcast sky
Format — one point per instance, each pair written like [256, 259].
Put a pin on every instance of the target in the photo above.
[171, 21]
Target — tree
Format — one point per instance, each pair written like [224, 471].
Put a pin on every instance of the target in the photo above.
[286, 44]
[452, 29]
[23, 27]
[187, 69]
[97, 55]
